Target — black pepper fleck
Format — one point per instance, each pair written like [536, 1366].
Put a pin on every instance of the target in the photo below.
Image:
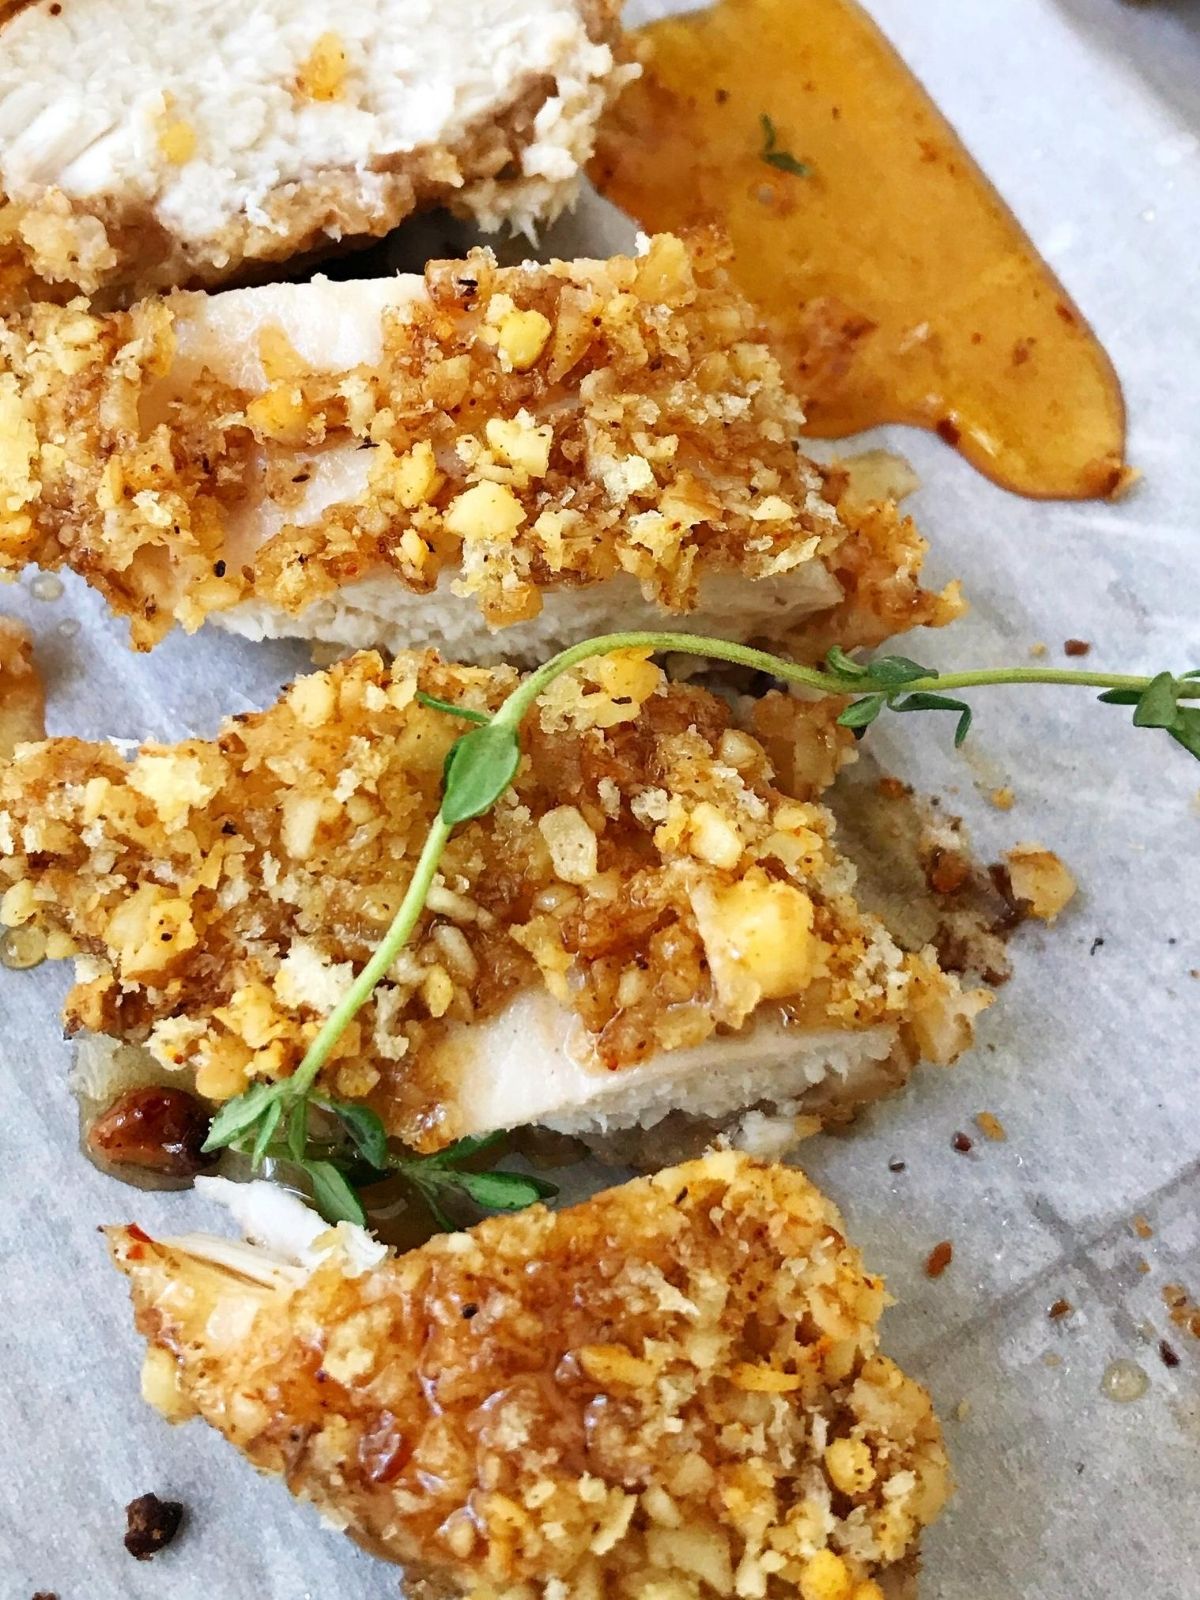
[897, 1165]
[1170, 1357]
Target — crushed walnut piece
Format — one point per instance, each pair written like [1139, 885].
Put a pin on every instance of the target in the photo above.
[672, 1389]
[522, 430]
[1040, 878]
[645, 870]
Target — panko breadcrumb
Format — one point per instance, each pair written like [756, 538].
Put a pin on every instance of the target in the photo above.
[146, 144]
[647, 878]
[673, 1390]
[545, 450]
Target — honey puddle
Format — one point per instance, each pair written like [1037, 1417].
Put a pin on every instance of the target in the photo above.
[894, 281]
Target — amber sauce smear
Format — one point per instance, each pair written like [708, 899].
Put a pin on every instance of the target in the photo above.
[895, 282]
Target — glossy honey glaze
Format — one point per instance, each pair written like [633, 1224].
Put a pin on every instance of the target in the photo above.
[893, 280]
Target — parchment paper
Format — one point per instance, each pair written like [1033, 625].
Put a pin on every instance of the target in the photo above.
[1086, 114]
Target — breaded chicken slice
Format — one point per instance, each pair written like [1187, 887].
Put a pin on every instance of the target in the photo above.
[145, 144]
[654, 918]
[495, 461]
[673, 1391]
[22, 699]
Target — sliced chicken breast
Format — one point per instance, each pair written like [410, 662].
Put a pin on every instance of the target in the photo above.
[674, 1389]
[494, 461]
[146, 144]
[655, 918]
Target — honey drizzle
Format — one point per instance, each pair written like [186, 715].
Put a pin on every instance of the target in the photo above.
[894, 281]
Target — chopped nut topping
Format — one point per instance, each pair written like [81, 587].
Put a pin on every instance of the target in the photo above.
[553, 426]
[1040, 877]
[223, 895]
[673, 1389]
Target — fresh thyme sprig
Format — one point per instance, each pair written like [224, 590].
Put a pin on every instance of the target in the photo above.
[271, 1121]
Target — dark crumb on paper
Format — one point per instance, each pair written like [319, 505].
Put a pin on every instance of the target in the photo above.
[963, 1142]
[1076, 647]
[1059, 1310]
[896, 1165]
[1170, 1357]
[1097, 944]
[45, 1594]
[938, 1259]
[153, 1523]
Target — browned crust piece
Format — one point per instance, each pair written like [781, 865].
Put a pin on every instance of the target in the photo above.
[584, 367]
[221, 894]
[58, 247]
[673, 1389]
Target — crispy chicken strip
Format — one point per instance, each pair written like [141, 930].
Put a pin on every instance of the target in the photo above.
[654, 917]
[670, 1392]
[146, 144]
[544, 450]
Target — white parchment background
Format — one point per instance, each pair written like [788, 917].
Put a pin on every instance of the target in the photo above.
[1086, 113]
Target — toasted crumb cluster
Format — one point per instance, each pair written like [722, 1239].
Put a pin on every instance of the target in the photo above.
[22, 700]
[673, 1390]
[517, 165]
[529, 428]
[644, 868]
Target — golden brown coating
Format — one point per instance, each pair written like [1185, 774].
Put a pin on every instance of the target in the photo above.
[524, 430]
[645, 870]
[673, 1390]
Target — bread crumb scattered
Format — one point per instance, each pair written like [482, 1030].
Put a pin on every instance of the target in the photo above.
[991, 1127]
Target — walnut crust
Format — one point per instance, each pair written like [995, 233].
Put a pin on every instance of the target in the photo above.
[673, 1389]
[645, 869]
[533, 427]
[116, 248]
[22, 699]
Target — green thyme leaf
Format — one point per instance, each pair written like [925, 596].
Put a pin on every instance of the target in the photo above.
[429, 1193]
[332, 1194]
[463, 1149]
[297, 1133]
[836, 660]
[893, 672]
[239, 1115]
[267, 1124]
[773, 156]
[923, 701]
[478, 770]
[364, 1127]
[1120, 697]
[1156, 704]
[860, 714]
[504, 1191]
[1185, 730]
[467, 713]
